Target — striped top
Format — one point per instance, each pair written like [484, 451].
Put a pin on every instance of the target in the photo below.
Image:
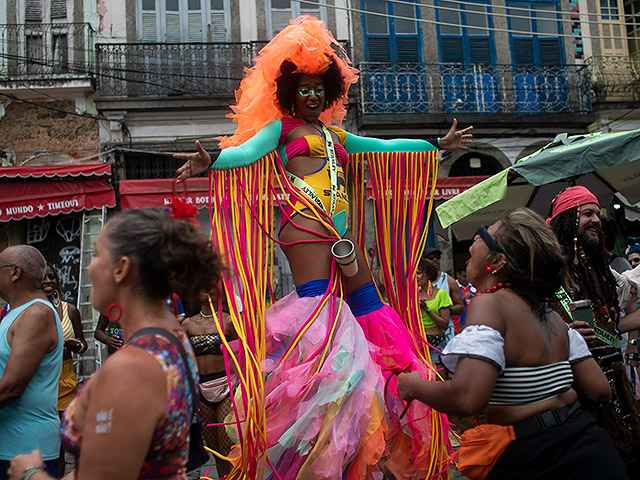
[515, 385]
[65, 322]
[524, 385]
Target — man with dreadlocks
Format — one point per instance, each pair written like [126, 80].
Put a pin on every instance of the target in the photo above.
[575, 218]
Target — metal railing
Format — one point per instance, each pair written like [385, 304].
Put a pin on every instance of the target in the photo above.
[614, 78]
[179, 70]
[406, 88]
[158, 70]
[41, 51]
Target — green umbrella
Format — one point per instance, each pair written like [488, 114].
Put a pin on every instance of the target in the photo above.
[605, 163]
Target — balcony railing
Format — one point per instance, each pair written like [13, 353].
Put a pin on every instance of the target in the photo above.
[178, 70]
[158, 70]
[43, 51]
[402, 88]
[614, 78]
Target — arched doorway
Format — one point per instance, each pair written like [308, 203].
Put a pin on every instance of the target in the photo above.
[475, 163]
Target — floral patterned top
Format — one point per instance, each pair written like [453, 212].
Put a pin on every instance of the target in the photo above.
[169, 449]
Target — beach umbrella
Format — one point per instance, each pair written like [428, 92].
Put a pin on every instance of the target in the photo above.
[605, 163]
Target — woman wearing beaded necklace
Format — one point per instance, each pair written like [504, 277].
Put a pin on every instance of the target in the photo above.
[215, 394]
[519, 363]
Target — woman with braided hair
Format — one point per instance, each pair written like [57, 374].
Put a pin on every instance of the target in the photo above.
[296, 89]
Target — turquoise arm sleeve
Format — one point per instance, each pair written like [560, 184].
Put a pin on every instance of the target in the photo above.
[356, 144]
[262, 143]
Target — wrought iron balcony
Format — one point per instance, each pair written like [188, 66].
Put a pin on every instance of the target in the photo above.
[45, 51]
[147, 71]
[403, 88]
[159, 70]
[614, 78]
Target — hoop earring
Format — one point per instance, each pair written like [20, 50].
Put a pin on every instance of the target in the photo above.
[56, 299]
[117, 307]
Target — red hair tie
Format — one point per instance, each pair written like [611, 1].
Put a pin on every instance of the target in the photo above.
[180, 209]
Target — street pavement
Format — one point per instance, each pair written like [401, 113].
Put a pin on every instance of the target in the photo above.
[454, 473]
[208, 470]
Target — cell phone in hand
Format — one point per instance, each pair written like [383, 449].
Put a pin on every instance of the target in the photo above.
[581, 311]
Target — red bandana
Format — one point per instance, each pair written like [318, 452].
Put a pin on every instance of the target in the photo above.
[571, 198]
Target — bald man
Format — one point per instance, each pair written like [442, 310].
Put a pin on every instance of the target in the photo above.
[30, 361]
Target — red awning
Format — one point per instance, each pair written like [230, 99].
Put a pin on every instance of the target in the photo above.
[446, 187]
[27, 192]
[156, 193]
[56, 171]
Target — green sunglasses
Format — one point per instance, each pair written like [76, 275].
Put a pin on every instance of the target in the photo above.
[306, 91]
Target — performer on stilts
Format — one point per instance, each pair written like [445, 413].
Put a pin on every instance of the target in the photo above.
[325, 380]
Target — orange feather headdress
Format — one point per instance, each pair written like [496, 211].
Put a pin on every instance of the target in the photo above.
[311, 47]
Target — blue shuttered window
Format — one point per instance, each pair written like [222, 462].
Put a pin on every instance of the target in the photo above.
[395, 78]
[394, 38]
[539, 76]
[527, 21]
[467, 54]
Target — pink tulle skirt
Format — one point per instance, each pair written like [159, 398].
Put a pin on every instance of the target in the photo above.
[325, 413]
[409, 440]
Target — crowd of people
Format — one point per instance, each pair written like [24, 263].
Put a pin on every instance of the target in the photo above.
[504, 341]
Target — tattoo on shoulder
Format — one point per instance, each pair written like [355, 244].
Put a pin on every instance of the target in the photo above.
[549, 328]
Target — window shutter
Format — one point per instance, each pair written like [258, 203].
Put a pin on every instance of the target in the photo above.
[35, 53]
[218, 27]
[149, 27]
[60, 53]
[523, 51]
[307, 8]
[194, 27]
[58, 9]
[480, 50]
[550, 52]
[279, 20]
[452, 50]
[407, 48]
[33, 10]
[379, 50]
[172, 27]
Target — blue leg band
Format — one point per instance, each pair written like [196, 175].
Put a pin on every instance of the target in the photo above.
[364, 300]
[312, 288]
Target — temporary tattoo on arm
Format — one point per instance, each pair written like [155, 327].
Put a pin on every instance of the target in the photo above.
[103, 421]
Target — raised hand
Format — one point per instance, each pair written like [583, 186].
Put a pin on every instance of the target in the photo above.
[455, 139]
[196, 163]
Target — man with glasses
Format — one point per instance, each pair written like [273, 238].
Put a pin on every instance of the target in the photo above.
[30, 361]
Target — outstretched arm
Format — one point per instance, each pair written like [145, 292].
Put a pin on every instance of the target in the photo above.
[453, 140]
[262, 143]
